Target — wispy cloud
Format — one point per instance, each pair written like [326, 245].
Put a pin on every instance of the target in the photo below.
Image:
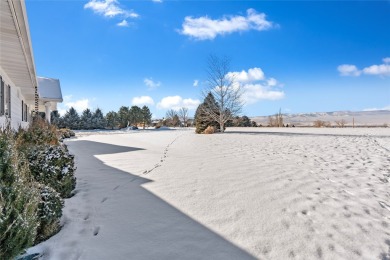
[157, 1]
[205, 28]
[177, 102]
[124, 23]
[377, 70]
[109, 8]
[142, 100]
[196, 83]
[348, 70]
[376, 109]
[151, 84]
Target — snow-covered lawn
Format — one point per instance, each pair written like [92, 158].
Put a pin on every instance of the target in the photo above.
[249, 193]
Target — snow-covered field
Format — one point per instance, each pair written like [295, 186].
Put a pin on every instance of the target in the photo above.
[249, 193]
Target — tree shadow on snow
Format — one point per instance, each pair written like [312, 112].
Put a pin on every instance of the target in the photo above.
[126, 221]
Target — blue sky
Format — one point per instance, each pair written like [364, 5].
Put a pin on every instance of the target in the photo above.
[300, 56]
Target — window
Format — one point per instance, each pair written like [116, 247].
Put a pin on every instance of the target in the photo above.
[25, 112]
[1, 96]
[22, 111]
[9, 102]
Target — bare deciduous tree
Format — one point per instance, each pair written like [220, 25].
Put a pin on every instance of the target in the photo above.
[226, 92]
[341, 123]
[172, 118]
[183, 115]
[277, 120]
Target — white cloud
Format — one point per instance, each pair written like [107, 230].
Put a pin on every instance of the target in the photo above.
[254, 74]
[348, 70]
[124, 23]
[381, 70]
[376, 109]
[157, 1]
[80, 105]
[378, 70]
[109, 8]
[256, 92]
[256, 85]
[151, 84]
[204, 28]
[142, 100]
[177, 102]
[196, 83]
[272, 82]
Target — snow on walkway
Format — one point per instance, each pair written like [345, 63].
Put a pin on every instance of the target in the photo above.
[249, 193]
[113, 217]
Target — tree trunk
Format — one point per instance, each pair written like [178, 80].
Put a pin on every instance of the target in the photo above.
[222, 126]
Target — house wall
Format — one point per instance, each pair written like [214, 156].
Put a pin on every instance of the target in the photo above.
[16, 105]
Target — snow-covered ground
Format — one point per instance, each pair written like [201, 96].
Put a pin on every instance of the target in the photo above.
[249, 193]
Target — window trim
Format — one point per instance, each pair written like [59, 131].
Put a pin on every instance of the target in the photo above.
[2, 98]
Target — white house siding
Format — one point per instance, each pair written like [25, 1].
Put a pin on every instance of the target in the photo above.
[16, 104]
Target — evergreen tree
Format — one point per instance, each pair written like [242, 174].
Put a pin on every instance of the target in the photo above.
[146, 116]
[55, 119]
[202, 119]
[123, 116]
[98, 120]
[112, 119]
[86, 119]
[135, 115]
[72, 119]
[245, 121]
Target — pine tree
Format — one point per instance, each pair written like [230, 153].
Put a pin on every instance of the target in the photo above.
[98, 120]
[72, 119]
[245, 121]
[112, 119]
[86, 119]
[123, 116]
[146, 116]
[135, 115]
[202, 119]
[55, 119]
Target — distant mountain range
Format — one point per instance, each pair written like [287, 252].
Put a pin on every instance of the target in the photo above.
[360, 118]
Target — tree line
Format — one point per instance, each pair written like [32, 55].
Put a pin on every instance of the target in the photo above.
[126, 116]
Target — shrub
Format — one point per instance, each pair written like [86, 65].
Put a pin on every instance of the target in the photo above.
[64, 133]
[53, 165]
[320, 123]
[209, 130]
[38, 133]
[19, 199]
[49, 213]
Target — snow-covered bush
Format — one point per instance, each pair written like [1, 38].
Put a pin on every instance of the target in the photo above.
[53, 165]
[19, 199]
[49, 213]
[38, 133]
[64, 133]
